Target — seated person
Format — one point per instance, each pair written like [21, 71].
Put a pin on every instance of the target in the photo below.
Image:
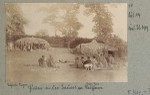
[88, 64]
[41, 61]
[87, 61]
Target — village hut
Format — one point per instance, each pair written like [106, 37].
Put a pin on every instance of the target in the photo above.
[90, 48]
[94, 47]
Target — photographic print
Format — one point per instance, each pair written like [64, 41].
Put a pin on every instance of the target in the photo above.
[66, 42]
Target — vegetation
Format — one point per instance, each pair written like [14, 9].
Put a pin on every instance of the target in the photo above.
[42, 32]
[64, 19]
[14, 21]
[102, 19]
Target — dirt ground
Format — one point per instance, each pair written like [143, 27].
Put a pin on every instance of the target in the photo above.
[23, 67]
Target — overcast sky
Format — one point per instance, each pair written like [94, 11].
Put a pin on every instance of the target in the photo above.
[35, 18]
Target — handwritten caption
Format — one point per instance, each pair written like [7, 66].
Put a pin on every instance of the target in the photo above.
[139, 92]
[33, 87]
[135, 16]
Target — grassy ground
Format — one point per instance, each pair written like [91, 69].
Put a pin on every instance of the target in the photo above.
[23, 67]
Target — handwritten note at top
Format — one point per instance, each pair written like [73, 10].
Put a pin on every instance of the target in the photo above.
[135, 17]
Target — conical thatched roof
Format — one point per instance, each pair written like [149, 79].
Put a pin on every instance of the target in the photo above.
[93, 47]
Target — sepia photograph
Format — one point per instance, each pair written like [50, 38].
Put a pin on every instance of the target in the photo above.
[66, 42]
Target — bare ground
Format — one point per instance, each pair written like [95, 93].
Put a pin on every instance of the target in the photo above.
[23, 67]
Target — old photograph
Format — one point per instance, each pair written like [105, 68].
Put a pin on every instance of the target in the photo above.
[66, 42]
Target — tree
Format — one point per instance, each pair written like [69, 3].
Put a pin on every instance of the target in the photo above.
[14, 19]
[64, 19]
[14, 22]
[102, 19]
[42, 33]
[71, 24]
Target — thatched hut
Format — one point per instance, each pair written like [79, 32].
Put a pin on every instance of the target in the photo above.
[94, 47]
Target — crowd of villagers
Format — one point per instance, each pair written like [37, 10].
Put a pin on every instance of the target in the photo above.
[96, 60]
[28, 44]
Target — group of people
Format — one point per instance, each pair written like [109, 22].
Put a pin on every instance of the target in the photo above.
[46, 62]
[87, 63]
[25, 46]
[95, 62]
[29, 46]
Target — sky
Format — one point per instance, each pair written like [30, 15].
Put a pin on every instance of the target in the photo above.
[35, 20]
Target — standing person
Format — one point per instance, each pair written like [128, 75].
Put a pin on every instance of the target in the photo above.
[82, 60]
[24, 47]
[77, 62]
[44, 62]
[104, 61]
[50, 62]
[10, 46]
[99, 59]
[28, 47]
[94, 62]
[111, 60]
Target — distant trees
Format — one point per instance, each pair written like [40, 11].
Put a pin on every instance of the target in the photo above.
[42, 33]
